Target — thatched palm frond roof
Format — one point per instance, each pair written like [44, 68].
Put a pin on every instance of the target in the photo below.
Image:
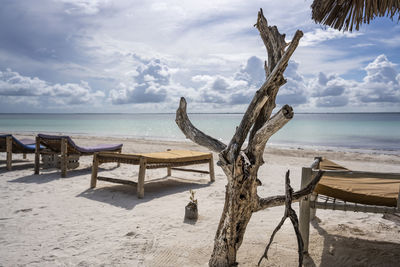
[344, 14]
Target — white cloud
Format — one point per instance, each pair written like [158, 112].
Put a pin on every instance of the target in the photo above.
[207, 51]
[380, 86]
[319, 35]
[294, 92]
[12, 84]
[391, 41]
[87, 7]
[148, 85]
[253, 72]
[381, 70]
[382, 82]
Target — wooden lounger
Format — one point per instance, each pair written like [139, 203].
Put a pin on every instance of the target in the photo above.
[66, 148]
[343, 189]
[10, 145]
[171, 160]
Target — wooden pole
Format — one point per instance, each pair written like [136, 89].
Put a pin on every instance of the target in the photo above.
[398, 200]
[142, 173]
[313, 211]
[64, 157]
[211, 166]
[24, 156]
[169, 173]
[9, 151]
[119, 163]
[37, 155]
[304, 219]
[95, 167]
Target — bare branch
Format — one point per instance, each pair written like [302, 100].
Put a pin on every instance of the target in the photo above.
[275, 45]
[291, 214]
[273, 40]
[274, 201]
[194, 134]
[257, 143]
[269, 88]
[266, 69]
[225, 166]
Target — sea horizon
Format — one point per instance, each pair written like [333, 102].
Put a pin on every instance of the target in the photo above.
[372, 132]
[83, 113]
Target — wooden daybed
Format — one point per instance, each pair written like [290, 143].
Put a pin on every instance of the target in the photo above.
[346, 190]
[172, 160]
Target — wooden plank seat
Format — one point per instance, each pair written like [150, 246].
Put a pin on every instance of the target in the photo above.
[10, 145]
[68, 150]
[171, 159]
[347, 190]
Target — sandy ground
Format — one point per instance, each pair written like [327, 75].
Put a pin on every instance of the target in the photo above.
[46, 220]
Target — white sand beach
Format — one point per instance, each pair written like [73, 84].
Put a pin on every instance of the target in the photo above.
[46, 220]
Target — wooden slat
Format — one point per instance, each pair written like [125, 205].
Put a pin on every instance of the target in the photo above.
[190, 170]
[112, 155]
[115, 180]
[174, 164]
[361, 174]
[354, 207]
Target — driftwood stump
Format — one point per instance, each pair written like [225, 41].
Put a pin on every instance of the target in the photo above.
[191, 212]
[241, 165]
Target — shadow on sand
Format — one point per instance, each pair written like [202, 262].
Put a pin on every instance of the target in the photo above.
[17, 164]
[339, 250]
[48, 175]
[124, 196]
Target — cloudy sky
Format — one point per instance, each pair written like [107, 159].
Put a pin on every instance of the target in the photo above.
[142, 56]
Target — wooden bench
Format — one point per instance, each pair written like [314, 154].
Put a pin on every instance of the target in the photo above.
[172, 160]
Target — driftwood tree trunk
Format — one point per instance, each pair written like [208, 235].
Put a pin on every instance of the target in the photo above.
[241, 165]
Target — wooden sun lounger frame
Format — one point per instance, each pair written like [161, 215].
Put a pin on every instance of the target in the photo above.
[9, 152]
[310, 204]
[144, 163]
[63, 154]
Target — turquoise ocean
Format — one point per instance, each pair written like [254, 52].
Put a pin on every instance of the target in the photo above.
[378, 132]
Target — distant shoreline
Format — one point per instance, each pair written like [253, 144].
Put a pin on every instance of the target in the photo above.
[272, 145]
[166, 113]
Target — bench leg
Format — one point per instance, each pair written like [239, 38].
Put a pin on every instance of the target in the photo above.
[95, 168]
[9, 152]
[169, 171]
[37, 155]
[142, 173]
[64, 157]
[119, 164]
[211, 167]
[313, 211]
